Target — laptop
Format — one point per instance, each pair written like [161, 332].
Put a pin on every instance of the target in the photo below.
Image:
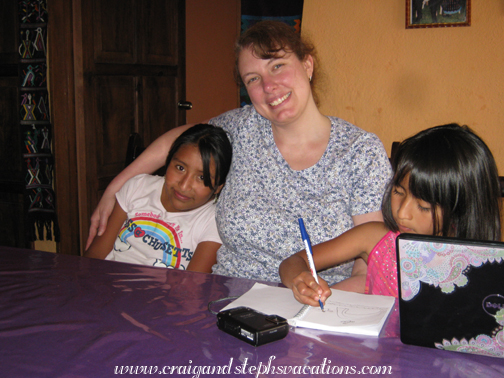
[451, 294]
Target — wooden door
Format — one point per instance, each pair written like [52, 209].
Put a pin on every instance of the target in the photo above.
[128, 76]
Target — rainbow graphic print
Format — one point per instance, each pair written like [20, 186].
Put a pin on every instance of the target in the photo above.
[156, 235]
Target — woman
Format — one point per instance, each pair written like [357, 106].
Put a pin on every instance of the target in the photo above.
[289, 161]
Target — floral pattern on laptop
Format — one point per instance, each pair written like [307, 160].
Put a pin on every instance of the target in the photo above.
[481, 344]
[440, 265]
[445, 266]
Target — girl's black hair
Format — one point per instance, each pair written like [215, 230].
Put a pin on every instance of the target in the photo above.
[450, 167]
[212, 142]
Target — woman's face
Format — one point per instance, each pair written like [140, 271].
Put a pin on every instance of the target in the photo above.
[279, 88]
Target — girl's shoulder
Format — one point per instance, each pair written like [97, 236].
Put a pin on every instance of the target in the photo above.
[142, 183]
[143, 180]
[373, 231]
[137, 187]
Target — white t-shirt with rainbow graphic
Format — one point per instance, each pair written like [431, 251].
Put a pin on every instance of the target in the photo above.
[151, 235]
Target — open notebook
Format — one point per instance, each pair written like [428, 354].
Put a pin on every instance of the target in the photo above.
[344, 312]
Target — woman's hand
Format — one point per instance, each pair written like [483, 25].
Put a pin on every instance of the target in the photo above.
[100, 217]
[307, 291]
[104, 243]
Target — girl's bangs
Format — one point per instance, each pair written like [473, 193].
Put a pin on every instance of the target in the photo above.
[422, 181]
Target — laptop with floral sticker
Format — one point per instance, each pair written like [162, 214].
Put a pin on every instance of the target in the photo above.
[451, 294]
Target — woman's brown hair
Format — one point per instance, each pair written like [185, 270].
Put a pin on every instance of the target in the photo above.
[272, 39]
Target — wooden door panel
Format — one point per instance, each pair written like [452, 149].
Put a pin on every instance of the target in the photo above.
[114, 31]
[117, 119]
[129, 72]
[159, 106]
[158, 32]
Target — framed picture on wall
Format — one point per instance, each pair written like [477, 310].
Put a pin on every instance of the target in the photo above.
[437, 13]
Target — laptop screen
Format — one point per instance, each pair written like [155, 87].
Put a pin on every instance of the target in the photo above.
[451, 293]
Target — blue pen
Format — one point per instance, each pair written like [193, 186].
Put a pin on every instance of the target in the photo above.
[309, 254]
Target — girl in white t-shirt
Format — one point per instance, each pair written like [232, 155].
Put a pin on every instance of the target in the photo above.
[170, 222]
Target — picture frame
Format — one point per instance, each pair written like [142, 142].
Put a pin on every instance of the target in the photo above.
[437, 13]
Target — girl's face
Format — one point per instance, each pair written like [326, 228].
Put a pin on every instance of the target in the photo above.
[412, 214]
[184, 188]
[279, 88]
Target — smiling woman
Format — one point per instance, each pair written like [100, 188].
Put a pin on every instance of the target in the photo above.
[289, 161]
[279, 86]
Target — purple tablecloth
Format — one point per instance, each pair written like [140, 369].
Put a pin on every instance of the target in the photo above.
[68, 316]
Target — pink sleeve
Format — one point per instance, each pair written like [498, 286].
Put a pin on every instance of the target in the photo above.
[381, 275]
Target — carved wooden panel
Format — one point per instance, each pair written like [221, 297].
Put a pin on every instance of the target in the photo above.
[159, 106]
[114, 31]
[158, 33]
[129, 65]
[116, 111]
[136, 32]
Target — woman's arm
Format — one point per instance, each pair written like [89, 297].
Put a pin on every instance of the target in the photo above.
[205, 256]
[103, 244]
[153, 158]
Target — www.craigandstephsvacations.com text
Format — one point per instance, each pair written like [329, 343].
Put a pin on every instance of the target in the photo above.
[244, 368]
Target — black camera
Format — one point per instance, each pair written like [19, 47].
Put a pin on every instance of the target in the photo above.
[251, 326]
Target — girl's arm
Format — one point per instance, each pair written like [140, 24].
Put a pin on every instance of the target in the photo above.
[357, 281]
[356, 242]
[103, 244]
[153, 158]
[205, 256]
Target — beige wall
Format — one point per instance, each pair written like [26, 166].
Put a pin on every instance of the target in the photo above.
[394, 81]
[211, 30]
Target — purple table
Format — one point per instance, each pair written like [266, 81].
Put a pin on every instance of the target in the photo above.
[69, 316]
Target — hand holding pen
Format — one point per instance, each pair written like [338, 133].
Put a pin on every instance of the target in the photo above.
[309, 255]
